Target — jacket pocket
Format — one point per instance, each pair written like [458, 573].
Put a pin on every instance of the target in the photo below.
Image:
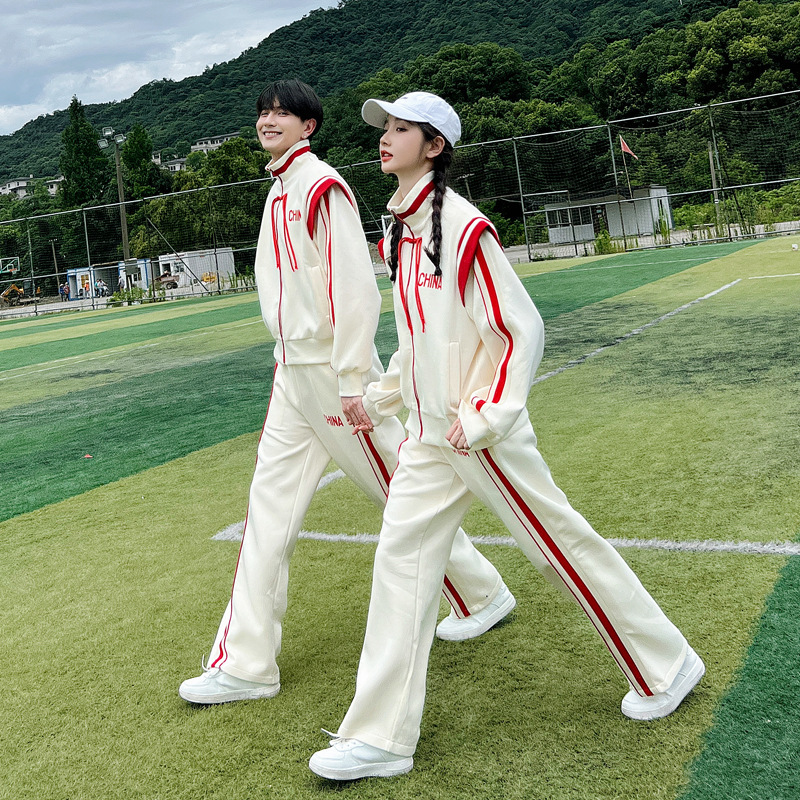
[319, 296]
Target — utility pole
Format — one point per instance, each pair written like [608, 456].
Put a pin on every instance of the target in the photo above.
[109, 137]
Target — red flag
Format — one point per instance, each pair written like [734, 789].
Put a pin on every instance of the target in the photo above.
[625, 149]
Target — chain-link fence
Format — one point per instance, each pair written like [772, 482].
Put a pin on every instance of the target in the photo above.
[706, 173]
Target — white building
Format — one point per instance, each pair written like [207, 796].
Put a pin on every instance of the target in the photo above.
[53, 184]
[213, 142]
[171, 165]
[17, 186]
[22, 187]
[174, 164]
[582, 220]
[200, 270]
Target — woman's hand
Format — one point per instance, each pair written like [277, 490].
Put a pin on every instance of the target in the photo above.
[353, 408]
[456, 436]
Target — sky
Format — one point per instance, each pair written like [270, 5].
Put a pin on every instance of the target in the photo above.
[103, 50]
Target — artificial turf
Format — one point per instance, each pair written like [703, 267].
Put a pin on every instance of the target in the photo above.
[166, 406]
[686, 432]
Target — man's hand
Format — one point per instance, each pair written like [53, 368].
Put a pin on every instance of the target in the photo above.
[354, 413]
[456, 436]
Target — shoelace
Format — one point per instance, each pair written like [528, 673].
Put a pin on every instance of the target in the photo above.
[206, 668]
[338, 743]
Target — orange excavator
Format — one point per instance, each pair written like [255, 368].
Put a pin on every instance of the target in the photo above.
[12, 295]
[15, 295]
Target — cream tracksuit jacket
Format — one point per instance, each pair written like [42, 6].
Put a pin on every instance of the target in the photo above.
[316, 311]
[470, 340]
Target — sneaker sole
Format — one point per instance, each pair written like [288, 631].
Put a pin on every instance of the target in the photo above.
[461, 636]
[691, 680]
[363, 771]
[229, 697]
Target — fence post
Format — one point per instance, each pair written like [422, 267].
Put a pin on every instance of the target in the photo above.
[33, 276]
[616, 187]
[86, 236]
[214, 233]
[714, 157]
[521, 198]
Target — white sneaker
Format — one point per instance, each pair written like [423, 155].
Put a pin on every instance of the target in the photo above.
[453, 629]
[348, 759]
[216, 686]
[664, 703]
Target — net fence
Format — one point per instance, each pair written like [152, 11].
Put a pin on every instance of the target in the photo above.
[707, 173]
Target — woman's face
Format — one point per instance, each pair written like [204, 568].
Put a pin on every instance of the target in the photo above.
[403, 149]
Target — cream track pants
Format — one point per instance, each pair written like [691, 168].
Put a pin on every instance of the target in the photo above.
[303, 430]
[431, 491]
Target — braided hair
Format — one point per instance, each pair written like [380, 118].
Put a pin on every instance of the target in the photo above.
[441, 164]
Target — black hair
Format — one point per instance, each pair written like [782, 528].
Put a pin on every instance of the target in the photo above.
[441, 164]
[295, 97]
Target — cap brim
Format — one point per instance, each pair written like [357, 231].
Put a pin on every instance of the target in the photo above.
[375, 112]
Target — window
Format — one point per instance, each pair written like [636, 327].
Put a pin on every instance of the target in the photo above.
[560, 217]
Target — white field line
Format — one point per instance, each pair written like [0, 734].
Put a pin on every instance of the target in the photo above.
[762, 277]
[233, 533]
[72, 360]
[577, 361]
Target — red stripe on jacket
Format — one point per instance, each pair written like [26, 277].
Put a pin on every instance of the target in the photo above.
[292, 158]
[473, 233]
[501, 373]
[420, 199]
[315, 195]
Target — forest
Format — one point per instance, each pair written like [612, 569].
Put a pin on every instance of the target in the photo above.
[339, 48]
[567, 66]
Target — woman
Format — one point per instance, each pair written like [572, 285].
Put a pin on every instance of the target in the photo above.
[470, 339]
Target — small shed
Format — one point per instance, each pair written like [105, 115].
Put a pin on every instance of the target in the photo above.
[646, 213]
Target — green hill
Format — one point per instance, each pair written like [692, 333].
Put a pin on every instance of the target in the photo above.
[340, 47]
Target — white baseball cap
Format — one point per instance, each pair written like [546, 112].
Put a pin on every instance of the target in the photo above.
[416, 107]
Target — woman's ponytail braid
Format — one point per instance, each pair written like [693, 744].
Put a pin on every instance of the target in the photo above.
[441, 164]
[394, 247]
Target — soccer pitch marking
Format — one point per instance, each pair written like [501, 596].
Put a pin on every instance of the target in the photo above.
[763, 277]
[234, 533]
[583, 359]
[73, 360]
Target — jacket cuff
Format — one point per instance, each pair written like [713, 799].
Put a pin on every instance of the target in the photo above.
[474, 425]
[371, 410]
[351, 384]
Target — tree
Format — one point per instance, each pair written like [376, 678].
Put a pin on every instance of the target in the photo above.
[87, 172]
[182, 149]
[145, 178]
[138, 148]
[464, 73]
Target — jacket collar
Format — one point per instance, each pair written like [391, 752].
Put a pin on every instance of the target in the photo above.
[415, 208]
[279, 167]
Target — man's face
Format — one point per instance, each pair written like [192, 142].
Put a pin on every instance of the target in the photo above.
[279, 129]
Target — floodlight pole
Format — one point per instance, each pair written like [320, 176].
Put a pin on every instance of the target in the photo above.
[55, 262]
[117, 139]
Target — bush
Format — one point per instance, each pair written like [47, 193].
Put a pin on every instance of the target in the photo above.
[127, 296]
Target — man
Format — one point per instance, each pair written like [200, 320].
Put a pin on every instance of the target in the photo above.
[320, 301]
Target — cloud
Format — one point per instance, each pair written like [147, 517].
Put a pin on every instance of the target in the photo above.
[100, 52]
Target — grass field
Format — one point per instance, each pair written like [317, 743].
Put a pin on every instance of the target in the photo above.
[669, 412]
